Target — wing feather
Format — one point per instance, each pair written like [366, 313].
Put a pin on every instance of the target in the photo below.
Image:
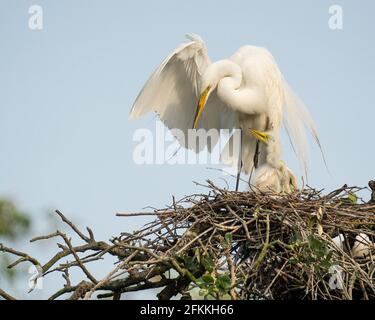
[172, 92]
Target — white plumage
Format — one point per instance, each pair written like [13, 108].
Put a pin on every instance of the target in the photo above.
[362, 246]
[246, 91]
[172, 92]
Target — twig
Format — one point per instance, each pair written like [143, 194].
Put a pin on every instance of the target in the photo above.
[6, 296]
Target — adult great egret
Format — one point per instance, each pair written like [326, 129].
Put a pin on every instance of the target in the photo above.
[246, 91]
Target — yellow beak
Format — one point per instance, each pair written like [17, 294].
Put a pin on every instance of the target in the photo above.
[201, 105]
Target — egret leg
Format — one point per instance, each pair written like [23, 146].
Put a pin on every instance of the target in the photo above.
[255, 161]
[239, 163]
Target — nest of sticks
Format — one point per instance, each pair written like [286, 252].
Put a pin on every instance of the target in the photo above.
[232, 245]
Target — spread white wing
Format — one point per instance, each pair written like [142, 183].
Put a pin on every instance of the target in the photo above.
[172, 92]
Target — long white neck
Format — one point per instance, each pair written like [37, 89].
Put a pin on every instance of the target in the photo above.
[228, 77]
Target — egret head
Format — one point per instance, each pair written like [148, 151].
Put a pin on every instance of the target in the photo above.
[209, 82]
[211, 78]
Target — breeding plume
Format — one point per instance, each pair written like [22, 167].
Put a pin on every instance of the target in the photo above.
[246, 92]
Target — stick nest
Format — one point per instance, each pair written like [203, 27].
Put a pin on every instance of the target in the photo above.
[232, 245]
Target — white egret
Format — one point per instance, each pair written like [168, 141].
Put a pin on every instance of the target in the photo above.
[362, 246]
[339, 241]
[246, 91]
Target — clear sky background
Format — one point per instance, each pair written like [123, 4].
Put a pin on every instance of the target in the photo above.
[66, 91]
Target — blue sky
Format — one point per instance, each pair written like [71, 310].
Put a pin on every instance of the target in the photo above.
[66, 91]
